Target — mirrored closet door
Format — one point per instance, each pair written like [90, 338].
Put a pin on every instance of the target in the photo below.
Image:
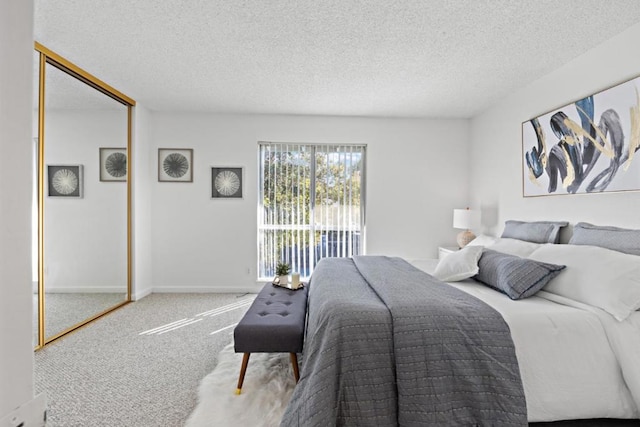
[83, 147]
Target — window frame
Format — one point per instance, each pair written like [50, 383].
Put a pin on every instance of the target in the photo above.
[312, 227]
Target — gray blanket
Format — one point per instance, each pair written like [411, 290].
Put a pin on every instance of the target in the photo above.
[388, 345]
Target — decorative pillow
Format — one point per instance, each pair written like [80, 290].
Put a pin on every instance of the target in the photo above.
[459, 265]
[618, 239]
[515, 247]
[483, 240]
[517, 277]
[536, 232]
[596, 276]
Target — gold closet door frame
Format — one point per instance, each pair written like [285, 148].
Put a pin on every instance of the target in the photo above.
[52, 58]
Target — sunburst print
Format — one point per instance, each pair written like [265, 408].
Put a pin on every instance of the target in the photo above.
[227, 183]
[65, 181]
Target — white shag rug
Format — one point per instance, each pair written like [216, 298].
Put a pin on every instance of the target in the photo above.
[267, 388]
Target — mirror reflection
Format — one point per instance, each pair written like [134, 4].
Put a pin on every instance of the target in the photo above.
[84, 258]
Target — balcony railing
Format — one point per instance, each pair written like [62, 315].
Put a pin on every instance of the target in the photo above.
[303, 255]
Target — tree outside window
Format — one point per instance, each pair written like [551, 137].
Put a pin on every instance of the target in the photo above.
[310, 205]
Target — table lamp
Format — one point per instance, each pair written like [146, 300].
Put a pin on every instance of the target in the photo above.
[464, 219]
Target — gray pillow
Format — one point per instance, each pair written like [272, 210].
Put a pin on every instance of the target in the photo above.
[536, 232]
[514, 276]
[617, 239]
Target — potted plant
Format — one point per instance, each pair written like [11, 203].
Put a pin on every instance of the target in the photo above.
[282, 272]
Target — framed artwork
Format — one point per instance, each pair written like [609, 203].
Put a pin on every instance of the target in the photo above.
[113, 164]
[175, 165]
[584, 147]
[64, 181]
[226, 182]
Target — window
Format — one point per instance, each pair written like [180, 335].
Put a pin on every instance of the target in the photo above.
[310, 205]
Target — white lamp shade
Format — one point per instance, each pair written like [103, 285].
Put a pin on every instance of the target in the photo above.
[465, 219]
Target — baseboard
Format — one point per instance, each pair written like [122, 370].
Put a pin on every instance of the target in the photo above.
[87, 290]
[255, 288]
[137, 296]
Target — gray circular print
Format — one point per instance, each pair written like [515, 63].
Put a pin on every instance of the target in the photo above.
[116, 165]
[175, 165]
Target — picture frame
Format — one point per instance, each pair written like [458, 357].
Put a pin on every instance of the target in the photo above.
[65, 181]
[113, 164]
[227, 182]
[585, 147]
[175, 164]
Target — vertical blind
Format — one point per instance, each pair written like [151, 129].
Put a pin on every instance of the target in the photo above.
[310, 205]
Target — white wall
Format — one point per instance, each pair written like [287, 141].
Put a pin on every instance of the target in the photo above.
[143, 171]
[85, 238]
[496, 149]
[16, 349]
[416, 176]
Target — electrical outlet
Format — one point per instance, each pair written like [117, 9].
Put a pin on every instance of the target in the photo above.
[30, 414]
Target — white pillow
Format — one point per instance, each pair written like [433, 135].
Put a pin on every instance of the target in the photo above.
[483, 240]
[596, 276]
[515, 247]
[459, 265]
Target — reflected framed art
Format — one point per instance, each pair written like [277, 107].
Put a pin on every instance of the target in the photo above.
[113, 164]
[65, 181]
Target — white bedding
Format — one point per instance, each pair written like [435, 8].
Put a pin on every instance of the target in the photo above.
[576, 361]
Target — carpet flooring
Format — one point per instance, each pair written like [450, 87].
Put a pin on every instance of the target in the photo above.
[140, 365]
[63, 310]
[150, 362]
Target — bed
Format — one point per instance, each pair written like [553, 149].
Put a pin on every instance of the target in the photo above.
[368, 361]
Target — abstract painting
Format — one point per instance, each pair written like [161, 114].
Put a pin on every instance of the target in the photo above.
[175, 165]
[585, 147]
[113, 164]
[65, 181]
[226, 182]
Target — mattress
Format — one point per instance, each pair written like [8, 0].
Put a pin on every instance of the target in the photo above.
[576, 361]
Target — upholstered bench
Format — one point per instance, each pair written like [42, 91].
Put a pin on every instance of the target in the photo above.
[273, 324]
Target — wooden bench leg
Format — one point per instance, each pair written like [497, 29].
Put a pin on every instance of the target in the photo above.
[294, 364]
[243, 369]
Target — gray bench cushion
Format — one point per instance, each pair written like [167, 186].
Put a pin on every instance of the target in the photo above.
[274, 323]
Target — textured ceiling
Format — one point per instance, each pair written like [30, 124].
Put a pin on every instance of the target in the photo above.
[412, 58]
